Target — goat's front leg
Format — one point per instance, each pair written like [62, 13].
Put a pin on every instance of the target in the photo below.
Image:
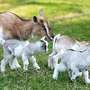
[58, 68]
[14, 64]
[86, 76]
[35, 64]
[50, 60]
[55, 59]
[25, 62]
[3, 64]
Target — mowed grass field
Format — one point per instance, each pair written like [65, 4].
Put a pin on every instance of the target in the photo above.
[68, 17]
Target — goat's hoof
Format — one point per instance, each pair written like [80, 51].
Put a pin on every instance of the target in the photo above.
[37, 67]
[15, 67]
[55, 77]
[52, 68]
[72, 79]
[2, 71]
[88, 81]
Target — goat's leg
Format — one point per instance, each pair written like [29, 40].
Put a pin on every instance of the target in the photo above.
[58, 68]
[11, 61]
[55, 59]
[15, 64]
[25, 62]
[35, 64]
[57, 56]
[3, 64]
[50, 60]
[86, 76]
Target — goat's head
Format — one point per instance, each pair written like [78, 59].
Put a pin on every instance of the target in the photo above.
[41, 27]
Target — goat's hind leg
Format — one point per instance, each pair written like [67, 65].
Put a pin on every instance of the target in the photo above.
[13, 62]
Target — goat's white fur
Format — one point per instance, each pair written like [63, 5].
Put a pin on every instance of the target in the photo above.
[73, 61]
[1, 36]
[60, 44]
[22, 49]
[59, 48]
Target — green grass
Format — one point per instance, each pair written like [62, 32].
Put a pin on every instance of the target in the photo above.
[62, 15]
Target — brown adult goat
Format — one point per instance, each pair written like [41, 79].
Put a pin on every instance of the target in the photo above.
[13, 26]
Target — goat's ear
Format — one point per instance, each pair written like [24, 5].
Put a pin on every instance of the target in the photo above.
[41, 12]
[35, 19]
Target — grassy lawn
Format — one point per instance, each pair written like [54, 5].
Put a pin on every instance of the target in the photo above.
[68, 17]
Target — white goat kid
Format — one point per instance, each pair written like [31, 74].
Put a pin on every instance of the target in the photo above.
[15, 48]
[60, 45]
[74, 62]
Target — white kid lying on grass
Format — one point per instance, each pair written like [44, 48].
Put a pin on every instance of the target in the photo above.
[24, 49]
[74, 62]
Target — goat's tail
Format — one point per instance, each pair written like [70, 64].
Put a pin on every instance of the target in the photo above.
[55, 39]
